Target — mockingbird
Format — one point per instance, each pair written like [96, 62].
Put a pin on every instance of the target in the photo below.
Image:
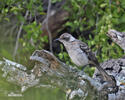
[81, 55]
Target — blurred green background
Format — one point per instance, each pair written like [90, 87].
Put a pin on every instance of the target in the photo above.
[89, 21]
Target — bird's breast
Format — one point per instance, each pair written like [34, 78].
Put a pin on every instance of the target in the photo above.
[78, 57]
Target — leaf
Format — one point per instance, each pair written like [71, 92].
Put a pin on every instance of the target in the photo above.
[103, 5]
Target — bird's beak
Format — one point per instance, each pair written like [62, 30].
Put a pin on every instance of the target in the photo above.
[58, 39]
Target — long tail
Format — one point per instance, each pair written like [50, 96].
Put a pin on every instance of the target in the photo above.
[109, 78]
[104, 73]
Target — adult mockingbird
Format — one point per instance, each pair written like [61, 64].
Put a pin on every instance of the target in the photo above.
[81, 54]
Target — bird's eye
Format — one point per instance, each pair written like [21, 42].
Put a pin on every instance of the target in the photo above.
[66, 38]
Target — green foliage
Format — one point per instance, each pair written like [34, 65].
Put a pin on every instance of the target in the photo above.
[33, 39]
[64, 56]
[91, 18]
[55, 1]
[98, 16]
[32, 34]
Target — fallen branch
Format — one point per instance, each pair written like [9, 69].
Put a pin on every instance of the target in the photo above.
[67, 77]
[117, 37]
[50, 71]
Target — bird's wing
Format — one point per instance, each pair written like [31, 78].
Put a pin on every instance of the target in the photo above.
[91, 56]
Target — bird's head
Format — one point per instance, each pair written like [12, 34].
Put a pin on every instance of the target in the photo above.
[66, 38]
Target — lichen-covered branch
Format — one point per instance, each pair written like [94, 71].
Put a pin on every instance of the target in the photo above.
[50, 71]
[115, 67]
[117, 37]
[65, 77]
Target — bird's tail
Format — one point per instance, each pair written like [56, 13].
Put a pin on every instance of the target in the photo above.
[105, 75]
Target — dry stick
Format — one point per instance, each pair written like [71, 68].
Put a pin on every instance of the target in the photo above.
[18, 35]
[47, 27]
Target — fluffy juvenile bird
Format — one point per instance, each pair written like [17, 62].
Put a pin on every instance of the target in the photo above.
[81, 54]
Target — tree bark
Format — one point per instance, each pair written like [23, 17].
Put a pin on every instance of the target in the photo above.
[117, 37]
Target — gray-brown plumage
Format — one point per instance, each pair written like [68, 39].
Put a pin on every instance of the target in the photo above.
[81, 54]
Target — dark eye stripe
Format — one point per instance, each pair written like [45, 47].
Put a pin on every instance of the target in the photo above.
[66, 38]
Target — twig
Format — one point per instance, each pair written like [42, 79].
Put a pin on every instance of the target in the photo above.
[18, 35]
[47, 27]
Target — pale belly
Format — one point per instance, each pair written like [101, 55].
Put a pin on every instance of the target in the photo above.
[78, 57]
